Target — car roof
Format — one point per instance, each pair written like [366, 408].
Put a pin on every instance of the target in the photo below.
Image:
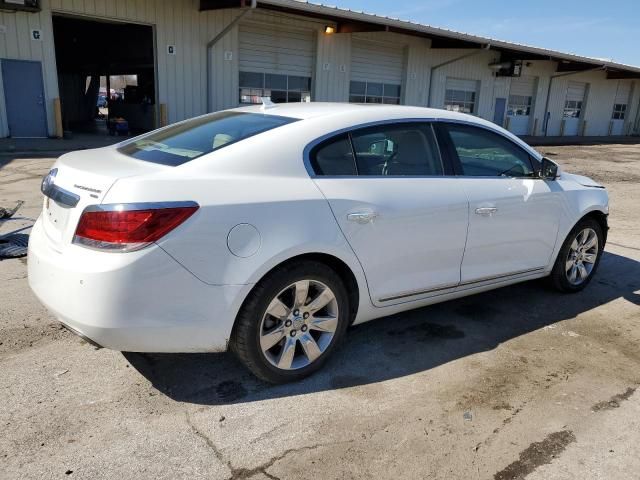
[347, 114]
[307, 110]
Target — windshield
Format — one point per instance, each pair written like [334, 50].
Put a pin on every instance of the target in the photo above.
[188, 140]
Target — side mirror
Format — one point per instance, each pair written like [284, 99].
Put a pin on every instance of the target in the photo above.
[549, 169]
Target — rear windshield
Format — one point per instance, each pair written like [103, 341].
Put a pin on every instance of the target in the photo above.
[189, 140]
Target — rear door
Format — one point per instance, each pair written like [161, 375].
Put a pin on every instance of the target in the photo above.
[403, 214]
[513, 214]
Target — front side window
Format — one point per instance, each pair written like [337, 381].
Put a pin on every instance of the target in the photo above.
[280, 88]
[186, 141]
[519, 105]
[572, 109]
[400, 149]
[371, 92]
[460, 100]
[619, 111]
[483, 153]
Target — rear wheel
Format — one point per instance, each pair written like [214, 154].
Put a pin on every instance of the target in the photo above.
[292, 322]
[579, 257]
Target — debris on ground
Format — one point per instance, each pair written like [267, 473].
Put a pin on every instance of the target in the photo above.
[14, 245]
[10, 212]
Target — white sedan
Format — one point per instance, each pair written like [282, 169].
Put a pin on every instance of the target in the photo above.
[270, 229]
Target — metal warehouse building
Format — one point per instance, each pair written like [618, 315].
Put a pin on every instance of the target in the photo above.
[194, 56]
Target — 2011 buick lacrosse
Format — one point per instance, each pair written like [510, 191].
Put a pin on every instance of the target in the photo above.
[270, 229]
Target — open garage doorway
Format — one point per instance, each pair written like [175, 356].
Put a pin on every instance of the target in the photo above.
[106, 76]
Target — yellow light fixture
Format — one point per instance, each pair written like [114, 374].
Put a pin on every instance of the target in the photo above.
[329, 29]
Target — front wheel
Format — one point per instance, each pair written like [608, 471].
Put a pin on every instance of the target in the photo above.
[291, 322]
[579, 257]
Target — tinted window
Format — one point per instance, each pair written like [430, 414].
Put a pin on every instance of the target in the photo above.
[188, 140]
[486, 154]
[403, 149]
[333, 157]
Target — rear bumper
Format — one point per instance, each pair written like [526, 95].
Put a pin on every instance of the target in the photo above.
[140, 301]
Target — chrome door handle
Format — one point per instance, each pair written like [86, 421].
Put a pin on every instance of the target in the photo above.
[486, 211]
[362, 217]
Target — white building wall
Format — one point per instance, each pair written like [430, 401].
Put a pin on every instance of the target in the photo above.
[182, 80]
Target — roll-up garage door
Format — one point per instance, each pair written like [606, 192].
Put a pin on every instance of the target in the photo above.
[576, 91]
[521, 95]
[620, 105]
[377, 71]
[461, 95]
[574, 107]
[275, 62]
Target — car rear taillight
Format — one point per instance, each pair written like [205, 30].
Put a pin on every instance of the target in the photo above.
[127, 227]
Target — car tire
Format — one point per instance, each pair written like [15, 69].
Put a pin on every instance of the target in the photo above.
[276, 310]
[568, 274]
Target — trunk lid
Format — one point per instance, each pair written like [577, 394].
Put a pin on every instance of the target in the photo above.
[87, 175]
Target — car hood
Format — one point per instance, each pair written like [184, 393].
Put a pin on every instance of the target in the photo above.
[581, 179]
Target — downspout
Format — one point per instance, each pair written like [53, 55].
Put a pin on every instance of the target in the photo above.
[547, 114]
[453, 60]
[211, 43]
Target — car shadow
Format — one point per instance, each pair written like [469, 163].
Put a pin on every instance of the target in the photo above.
[398, 345]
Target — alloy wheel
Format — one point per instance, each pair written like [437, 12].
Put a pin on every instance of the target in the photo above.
[582, 256]
[299, 324]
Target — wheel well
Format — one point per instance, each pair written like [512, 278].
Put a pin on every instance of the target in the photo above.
[601, 218]
[338, 266]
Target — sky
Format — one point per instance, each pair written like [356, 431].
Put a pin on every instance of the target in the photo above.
[603, 29]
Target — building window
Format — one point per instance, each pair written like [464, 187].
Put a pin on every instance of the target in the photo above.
[280, 88]
[572, 109]
[369, 92]
[460, 101]
[519, 105]
[619, 110]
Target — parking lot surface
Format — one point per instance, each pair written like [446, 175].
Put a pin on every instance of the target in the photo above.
[514, 383]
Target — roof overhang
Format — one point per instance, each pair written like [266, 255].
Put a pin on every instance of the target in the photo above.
[349, 21]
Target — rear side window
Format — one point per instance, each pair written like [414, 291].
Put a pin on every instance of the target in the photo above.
[486, 154]
[189, 140]
[333, 157]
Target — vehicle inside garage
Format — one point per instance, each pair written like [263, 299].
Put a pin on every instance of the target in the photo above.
[106, 75]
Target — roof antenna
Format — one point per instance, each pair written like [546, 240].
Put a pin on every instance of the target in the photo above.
[266, 103]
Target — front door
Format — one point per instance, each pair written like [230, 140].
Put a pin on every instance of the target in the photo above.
[405, 220]
[24, 98]
[513, 215]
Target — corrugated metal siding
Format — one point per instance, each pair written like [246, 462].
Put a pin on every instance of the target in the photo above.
[333, 58]
[273, 49]
[377, 62]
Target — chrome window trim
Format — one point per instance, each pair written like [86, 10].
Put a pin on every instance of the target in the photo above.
[307, 149]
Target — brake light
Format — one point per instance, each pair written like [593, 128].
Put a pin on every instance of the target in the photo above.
[124, 228]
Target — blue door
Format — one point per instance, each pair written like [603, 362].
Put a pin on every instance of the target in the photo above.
[498, 113]
[24, 98]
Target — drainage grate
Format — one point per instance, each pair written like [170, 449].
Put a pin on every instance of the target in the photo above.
[14, 245]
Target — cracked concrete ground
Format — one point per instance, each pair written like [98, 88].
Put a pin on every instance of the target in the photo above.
[518, 382]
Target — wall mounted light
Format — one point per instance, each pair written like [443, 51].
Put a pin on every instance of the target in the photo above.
[329, 29]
